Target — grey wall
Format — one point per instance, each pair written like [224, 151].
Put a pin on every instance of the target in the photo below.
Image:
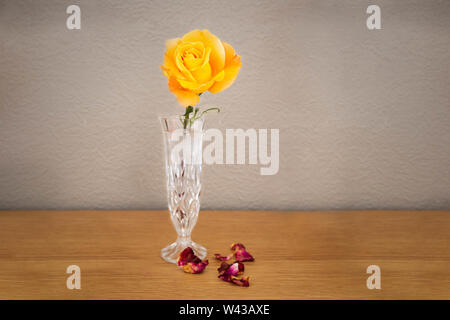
[364, 116]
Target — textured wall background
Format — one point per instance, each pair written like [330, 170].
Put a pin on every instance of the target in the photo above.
[364, 116]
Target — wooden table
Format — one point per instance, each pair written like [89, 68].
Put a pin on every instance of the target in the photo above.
[299, 255]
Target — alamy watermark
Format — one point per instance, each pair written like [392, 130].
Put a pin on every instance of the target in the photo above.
[373, 22]
[240, 145]
[73, 21]
[374, 280]
[74, 280]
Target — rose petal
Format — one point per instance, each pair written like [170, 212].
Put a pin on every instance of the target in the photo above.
[232, 66]
[190, 263]
[240, 253]
[192, 267]
[225, 277]
[187, 255]
[237, 246]
[196, 87]
[223, 267]
[223, 258]
[217, 58]
[234, 269]
[184, 97]
[229, 273]
[243, 281]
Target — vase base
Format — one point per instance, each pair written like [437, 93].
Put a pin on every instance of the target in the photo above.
[172, 251]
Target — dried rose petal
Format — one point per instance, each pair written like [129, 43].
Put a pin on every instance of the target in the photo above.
[195, 267]
[234, 269]
[240, 253]
[243, 281]
[190, 263]
[237, 246]
[187, 255]
[223, 267]
[223, 258]
[228, 273]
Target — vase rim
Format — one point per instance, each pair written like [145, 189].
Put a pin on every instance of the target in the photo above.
[172, 122]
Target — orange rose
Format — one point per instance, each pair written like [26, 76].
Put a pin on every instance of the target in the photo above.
[199, 62]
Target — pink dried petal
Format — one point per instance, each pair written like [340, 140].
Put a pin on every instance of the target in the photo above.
[187, 255]
[223, 267]
[190, 263]
[223, 258]
[240, 253]
[192, 267]
[234, 269]
[229, 272]
[243, 281]
[237, 246]
[225, 277]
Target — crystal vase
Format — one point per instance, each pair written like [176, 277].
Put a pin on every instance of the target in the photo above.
[183, 154]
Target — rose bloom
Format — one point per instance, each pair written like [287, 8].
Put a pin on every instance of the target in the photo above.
[198, 62]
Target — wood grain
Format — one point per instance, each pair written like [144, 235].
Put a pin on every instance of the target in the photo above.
[299, 255]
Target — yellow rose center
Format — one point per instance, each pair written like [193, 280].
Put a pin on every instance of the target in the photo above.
[192, 60]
